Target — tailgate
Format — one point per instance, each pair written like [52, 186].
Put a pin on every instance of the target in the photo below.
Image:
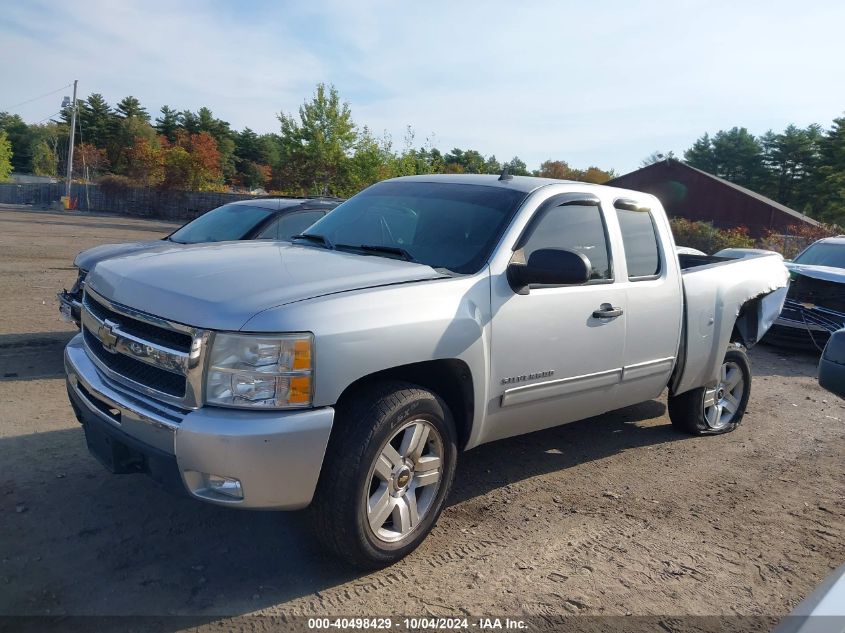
[746, 293]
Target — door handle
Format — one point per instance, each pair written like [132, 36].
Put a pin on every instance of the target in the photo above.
[607, 311]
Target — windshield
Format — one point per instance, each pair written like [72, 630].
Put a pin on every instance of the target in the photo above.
[229, 222]
[443, 225]
[823, 254]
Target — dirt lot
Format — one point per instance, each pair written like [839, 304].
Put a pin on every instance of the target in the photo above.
[611, 516]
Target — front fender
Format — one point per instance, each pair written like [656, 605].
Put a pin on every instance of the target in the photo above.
[363, 332]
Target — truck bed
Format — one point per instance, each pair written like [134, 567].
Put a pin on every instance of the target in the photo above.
[695, 261]
[725, 300]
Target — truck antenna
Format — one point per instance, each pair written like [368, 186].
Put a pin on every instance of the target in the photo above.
[505, 175]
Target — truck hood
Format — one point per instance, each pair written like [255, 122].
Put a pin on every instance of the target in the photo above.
[222, 285]
[825, 273]
[86, 260]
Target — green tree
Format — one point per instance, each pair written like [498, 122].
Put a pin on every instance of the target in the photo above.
[189, 122]
[792, 160]
[316, 144]
[374, 160]
[248, 145]
[701, 156]
[738, 157]
[832, 174]
[517, 167]
[5, 156]
[44, 160]
[492, 165]
[44, 147]
[462, 161]
[131, 107]
[97, 120]
[270, 149]
[19, 136]
[167, 123]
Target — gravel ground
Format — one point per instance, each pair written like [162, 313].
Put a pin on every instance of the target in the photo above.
[615, 515]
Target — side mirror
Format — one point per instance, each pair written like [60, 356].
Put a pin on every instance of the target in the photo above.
[832, 364]
[549, 266]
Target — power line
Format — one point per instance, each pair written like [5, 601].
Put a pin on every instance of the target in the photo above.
[17, 105]
[48, 117]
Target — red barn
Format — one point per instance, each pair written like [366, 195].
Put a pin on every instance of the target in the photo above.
[690, 193]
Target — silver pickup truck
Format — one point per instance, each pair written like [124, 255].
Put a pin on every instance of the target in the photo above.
[423, 317]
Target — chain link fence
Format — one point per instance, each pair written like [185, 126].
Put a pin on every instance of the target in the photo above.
[135, 201]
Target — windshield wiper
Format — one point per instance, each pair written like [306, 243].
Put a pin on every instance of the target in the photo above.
[313, 237]
[378, 248]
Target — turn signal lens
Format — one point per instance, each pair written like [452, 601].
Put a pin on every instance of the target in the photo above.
[300, 390]
[302, 354]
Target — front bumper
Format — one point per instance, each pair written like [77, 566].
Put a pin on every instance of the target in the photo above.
[70, 306]
[276, 456]
[800, 326]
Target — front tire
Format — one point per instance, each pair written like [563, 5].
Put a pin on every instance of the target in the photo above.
[388, 469]
[719, 410]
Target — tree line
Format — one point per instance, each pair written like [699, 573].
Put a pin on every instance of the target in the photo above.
[802, 168]
[319, 149]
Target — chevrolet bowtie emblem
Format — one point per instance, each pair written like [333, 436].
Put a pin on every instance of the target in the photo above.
[107, 336]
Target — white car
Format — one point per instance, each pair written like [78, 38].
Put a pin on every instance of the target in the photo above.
[742, 253]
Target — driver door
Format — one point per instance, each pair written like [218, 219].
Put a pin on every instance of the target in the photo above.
[552, 359]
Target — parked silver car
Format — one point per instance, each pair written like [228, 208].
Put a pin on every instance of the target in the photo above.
[261, 218]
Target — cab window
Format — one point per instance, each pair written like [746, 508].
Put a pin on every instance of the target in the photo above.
[639, 237]
[296, 223]
[574, 227]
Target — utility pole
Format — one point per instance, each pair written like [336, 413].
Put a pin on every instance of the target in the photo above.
[70, 147]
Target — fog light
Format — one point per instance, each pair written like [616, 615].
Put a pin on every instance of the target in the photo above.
[225, 486]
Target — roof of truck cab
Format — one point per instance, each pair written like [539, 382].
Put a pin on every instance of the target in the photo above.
[516, 183]
[526, 184]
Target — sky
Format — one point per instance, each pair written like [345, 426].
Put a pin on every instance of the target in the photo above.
[590, 83]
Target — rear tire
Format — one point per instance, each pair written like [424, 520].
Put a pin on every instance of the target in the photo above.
[388, 469]
[720, 410]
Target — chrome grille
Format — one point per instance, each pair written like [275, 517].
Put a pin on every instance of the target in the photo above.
[168, 338]
[137, 371]
[154, 356]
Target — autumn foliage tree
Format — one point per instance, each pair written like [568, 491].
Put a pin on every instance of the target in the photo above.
[145, 162]
[561, 170]
[89, 161]
[192, 162]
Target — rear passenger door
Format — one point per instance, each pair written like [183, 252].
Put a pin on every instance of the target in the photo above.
[653, 295]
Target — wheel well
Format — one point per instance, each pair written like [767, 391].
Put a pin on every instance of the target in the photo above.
[449, 378]
[745, 330]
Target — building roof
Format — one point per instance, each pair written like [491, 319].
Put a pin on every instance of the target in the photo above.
[768, 201]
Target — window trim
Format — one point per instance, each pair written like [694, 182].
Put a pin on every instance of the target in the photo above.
[629, 204]
[273, 219]
[564, 200]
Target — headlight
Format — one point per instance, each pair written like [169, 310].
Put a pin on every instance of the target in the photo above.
[271, 372]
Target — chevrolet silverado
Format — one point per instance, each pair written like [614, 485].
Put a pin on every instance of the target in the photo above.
[425, 316]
